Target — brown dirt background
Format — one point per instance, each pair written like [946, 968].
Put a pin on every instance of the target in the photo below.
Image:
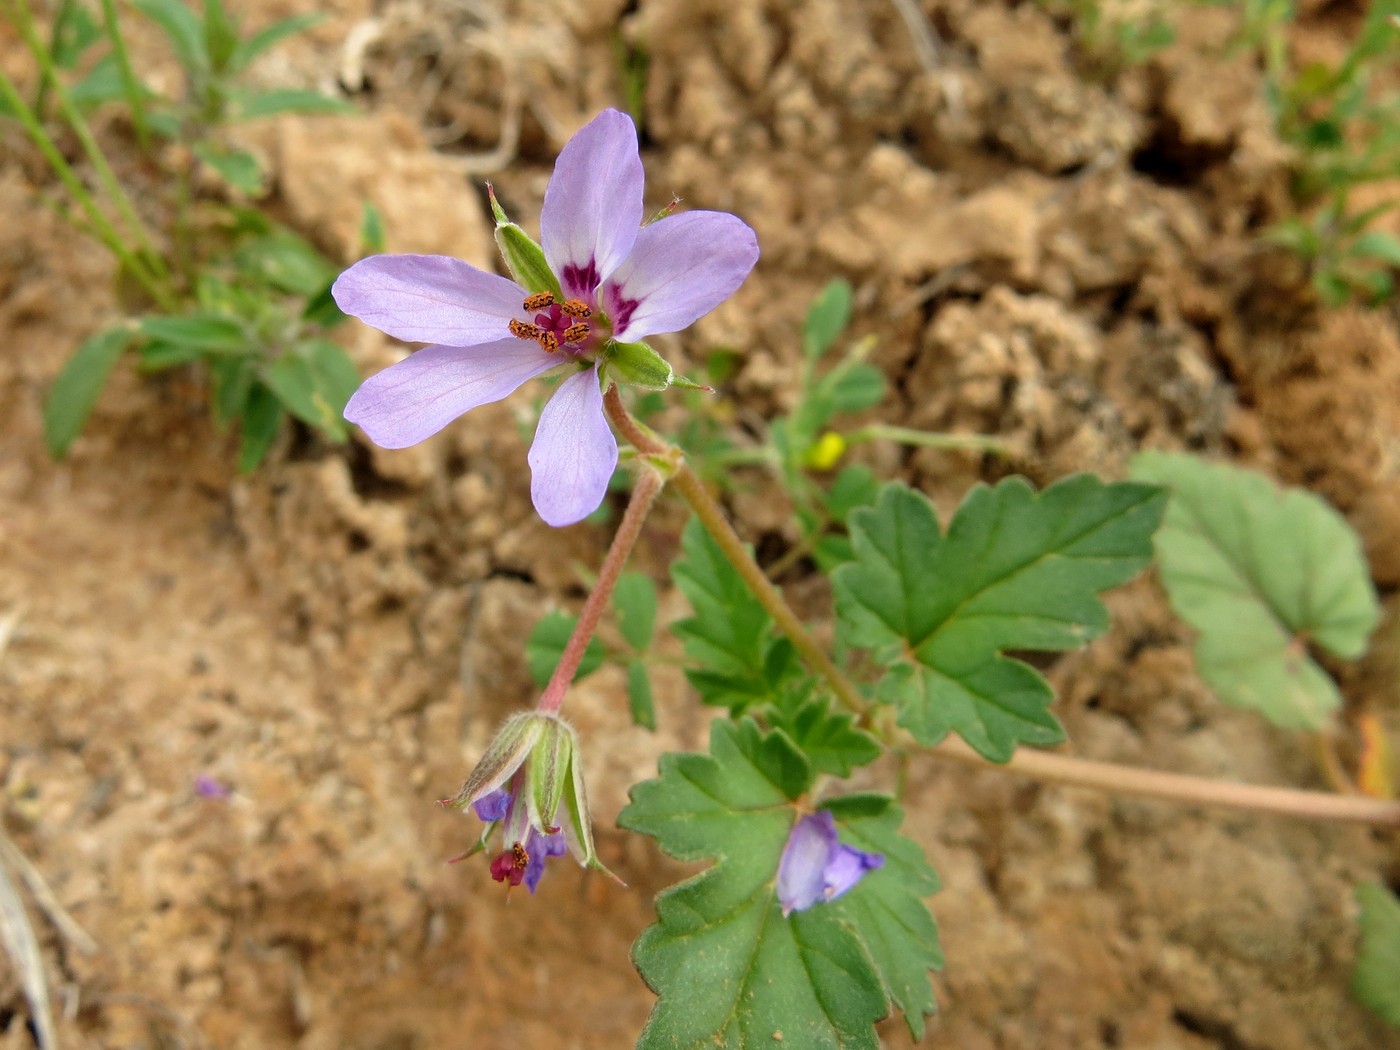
[1067, 262]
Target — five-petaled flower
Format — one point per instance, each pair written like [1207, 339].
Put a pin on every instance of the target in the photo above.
[617, 282]
[530, 784]
[816, 866]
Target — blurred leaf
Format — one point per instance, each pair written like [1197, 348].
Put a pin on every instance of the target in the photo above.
[231, 379]
[853, 387]
[252, 105]
[157, 355]
[73, 35]
[1376, 979]
[545, 647]
[211, 333]
[634, 599]
[287, 262]
[1379, 245]
[239, 168]
[253, 46]
[826, 319]
[182, 28]
[103, 83]
[639, 696]
[75, 390]
[371, 229]
[1259, 572]
[313, 381]
[856, 486]
[220, 35]
[262, 418]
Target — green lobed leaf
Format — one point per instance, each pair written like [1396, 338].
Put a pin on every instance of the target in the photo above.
[730, 632]
[1259, 572]
[546, 643]
[1376, 979]
[1379, 245]
[854, 386]
[1016, 570]
[826, 319]
[830, 739]
[634, 599]
[75, 390]
[730, 970]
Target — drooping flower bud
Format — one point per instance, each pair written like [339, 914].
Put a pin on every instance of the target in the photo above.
[530, 783]
[816, 866]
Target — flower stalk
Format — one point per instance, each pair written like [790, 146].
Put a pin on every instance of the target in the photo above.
[644, 494]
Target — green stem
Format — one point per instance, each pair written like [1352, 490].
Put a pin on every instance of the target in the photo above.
[105, 176]
[644, 495]
[710, 515]
[101, 226]
[924, 438]
[130, 85]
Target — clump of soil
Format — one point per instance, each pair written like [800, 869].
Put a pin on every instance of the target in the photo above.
[1068, 263]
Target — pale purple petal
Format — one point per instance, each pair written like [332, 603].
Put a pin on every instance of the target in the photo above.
[429, 299]
[539, 847]
[845, 867]
[593, 203]
[574, 452]
[411, 401]
[816, 866]
[800, 872]
[493, 806]
[680, 269]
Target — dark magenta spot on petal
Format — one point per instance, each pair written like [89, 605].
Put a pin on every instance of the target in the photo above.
[581, 280]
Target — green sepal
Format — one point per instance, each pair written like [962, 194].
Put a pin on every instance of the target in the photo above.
[637, 364]
[512, 744]
[550, 769]
[522, 253]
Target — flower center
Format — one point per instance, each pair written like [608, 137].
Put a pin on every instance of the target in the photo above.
[509, 867]
[556, 324]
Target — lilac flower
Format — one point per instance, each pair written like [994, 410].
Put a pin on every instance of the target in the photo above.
[816, 866]
[530, 784]
[610, 281]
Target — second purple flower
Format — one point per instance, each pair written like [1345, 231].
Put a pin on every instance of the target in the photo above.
[610, 280]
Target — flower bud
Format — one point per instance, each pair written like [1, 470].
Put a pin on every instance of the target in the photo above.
[524, 257]
[816, 866]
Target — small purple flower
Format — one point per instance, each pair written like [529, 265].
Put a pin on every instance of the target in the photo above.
[816, 866]
[620, 281]
[530, 784]
[206, 786]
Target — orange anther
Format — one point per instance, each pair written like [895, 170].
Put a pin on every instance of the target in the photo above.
[539, 301]
[576, 333]
[576, 308]
[521, 330]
